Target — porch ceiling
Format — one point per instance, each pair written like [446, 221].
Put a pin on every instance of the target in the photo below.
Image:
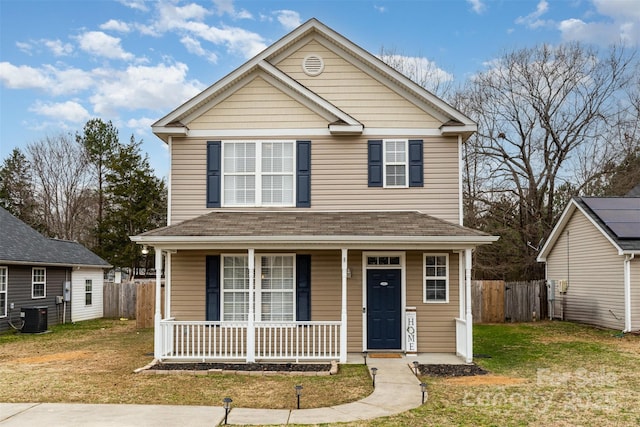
[335, 229]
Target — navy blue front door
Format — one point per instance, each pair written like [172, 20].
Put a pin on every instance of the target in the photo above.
[384, 323]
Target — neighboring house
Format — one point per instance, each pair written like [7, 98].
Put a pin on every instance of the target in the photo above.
[315, 209]
[34, 271]
[592, 260]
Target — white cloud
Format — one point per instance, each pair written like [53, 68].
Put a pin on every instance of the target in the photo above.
[288, 18]
[58, 48]
[622, 24]
[115, 25]
[188, 20]
[157, 88]
[194, 46]
[477, 6]
[141, 126]
[380, 9]
[69, 111]
[135, 4]
[226, 7]
[25, 47]
[46, 78]
[533, 20]
[100, 44]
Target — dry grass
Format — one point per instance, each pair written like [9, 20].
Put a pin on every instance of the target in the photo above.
[93, 362]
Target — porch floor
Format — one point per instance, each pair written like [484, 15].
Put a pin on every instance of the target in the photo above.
[423, 358]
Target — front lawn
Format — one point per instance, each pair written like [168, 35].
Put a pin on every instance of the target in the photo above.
[93, 362]
[544, 373]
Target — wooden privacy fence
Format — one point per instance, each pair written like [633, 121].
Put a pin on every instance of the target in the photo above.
[496, 301]
[133, 300]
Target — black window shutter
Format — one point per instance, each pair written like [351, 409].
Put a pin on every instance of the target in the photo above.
[214, 160]
[303, 288]
[375, 163]
[416, 163]
[303, 174]
[213, 287]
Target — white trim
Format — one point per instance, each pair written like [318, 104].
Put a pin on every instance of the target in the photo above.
[385, 163]
[424, 278]
[403, 291]
[627, 293]
[460, 180]
[169, 201]
[251, 329]
[6, 288]
[468, 316]
[343, 306]
[258, 173]
[44, 283]
[304, 132]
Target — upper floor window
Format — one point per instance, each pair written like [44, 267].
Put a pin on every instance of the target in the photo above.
[3, 291]
[258, 173]
[395, 163]
[38, 282]
[436, 278]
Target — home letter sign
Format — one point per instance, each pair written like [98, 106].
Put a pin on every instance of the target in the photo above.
[411, 332]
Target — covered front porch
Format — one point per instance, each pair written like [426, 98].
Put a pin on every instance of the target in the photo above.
[406, 293]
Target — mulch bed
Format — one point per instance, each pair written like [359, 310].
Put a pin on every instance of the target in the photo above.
[451, 370]
[253, 367]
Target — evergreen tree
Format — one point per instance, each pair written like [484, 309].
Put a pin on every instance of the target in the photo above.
[135, 202]
[100, 140]
[16, 188]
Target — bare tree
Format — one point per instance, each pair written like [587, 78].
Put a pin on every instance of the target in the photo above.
[544, 119]
[63, 187]
[420, 70]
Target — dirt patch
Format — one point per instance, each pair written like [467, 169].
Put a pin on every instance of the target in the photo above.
[55, 357]
[451, 370]
[485, 380]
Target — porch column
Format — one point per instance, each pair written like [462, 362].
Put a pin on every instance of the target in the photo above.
[157, 333]
[627, 292]
[167, 285]
[468, 316]
[343, 312]
[251, 329]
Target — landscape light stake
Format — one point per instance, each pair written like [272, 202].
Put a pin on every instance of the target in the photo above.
[227, 407]
[298, 394]
[373, 375]
[416, 364]
[364, 355]
[423, 388]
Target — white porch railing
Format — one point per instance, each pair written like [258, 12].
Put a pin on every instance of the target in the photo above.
[461, 338]
[286, 341]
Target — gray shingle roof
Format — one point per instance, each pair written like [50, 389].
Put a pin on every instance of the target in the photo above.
[313, 223]
[20, 243]
[619, 217]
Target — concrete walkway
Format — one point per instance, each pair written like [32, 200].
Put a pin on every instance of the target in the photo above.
[397, 390]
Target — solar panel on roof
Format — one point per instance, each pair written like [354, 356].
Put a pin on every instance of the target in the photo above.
[620, 214]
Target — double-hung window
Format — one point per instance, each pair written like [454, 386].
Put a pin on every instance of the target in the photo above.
[258, 173]
[274, 287]
[395, 163]
[436, 278]
[3, 291]
[38, 282]
[88, 292]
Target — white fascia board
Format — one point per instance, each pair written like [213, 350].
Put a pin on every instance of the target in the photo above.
[346, 129]
[51, 264]
[309, 132]
[456, 130]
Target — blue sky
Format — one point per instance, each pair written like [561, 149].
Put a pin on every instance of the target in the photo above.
[133, 61]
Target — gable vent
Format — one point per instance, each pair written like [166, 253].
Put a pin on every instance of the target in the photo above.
[312, 65]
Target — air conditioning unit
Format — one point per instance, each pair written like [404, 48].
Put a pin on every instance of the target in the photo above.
[35, 319]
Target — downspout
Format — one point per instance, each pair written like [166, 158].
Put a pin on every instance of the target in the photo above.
[627, 292]
[469, 316]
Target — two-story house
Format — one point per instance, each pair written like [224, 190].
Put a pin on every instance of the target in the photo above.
[315, 209]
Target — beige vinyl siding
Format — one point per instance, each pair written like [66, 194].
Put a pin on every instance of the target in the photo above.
[635, 294]
[258, 105]
[355, 92]
[338, 178]
[436, 321]
[188, 285]
[596, 275]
